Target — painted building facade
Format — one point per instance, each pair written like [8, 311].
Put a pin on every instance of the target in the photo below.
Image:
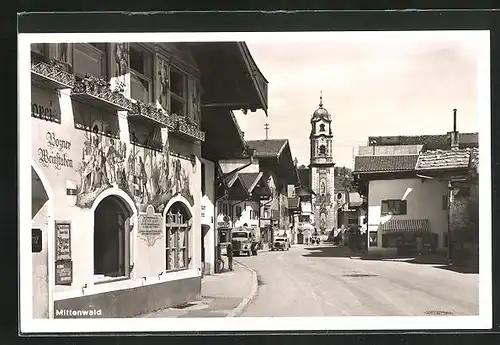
[118, 195]
[322, 169]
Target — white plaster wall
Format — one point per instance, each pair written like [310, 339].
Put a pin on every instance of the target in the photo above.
[230, 165]
[40, 266]
[246, 207]
[424, 201]
[208, 216]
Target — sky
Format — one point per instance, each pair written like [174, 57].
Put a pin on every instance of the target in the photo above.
[372, 84]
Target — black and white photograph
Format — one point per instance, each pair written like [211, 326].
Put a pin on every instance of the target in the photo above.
[255, 181]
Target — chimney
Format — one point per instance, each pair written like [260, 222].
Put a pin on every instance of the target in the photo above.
[454, 141]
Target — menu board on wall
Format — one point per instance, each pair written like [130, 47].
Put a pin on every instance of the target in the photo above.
[64, 272]
[63, 240]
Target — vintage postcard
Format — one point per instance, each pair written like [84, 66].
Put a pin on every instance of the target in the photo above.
[281, 181]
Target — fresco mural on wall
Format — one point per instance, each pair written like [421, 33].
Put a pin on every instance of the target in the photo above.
[150, 177]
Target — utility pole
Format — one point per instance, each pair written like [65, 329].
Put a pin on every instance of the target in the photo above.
[266, 128]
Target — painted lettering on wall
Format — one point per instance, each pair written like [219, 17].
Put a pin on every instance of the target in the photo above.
[150, 226]
[54, 153]
[45, 112]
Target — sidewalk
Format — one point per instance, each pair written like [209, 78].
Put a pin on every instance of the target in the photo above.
[223, 295]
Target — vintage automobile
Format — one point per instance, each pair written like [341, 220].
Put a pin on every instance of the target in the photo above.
[245, 241]
[280, 243]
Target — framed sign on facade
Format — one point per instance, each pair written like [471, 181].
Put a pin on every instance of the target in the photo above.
[63, 240]
[64, 272]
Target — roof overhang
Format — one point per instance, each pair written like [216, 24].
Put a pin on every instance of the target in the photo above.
[230, 77]
[283, 165]
[223, 136]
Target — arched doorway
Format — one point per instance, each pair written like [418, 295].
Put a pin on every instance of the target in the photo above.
[112, 219]
[40, 216]
[178, 225]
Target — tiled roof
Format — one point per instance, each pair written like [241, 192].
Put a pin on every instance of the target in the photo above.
[304, 176]
[249, 179]
[365, 164]
[446, 159]
[267, 148]
[440, 141]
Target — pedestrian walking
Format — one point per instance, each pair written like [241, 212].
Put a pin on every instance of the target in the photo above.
[229, 256]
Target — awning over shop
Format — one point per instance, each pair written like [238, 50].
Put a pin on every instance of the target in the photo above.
[230, 77]
[405, 225]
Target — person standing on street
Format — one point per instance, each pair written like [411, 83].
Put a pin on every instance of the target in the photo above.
[229, 256]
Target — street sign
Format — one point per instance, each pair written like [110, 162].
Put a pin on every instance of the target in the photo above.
[291, 191]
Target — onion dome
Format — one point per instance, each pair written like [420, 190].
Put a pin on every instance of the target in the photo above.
[321, 113]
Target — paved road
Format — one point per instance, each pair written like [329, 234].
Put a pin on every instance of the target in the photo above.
[325, 281]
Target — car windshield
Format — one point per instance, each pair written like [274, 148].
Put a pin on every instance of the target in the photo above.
[240, 234]
[280, 240]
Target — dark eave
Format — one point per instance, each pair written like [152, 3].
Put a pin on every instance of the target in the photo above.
[230, 77]
[223, 136]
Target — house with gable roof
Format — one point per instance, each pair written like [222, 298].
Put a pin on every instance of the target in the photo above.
[257, 193]
[421, 189]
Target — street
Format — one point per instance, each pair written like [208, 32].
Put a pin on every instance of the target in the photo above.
[324, 281]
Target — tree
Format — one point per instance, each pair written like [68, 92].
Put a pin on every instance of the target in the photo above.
[343, 179]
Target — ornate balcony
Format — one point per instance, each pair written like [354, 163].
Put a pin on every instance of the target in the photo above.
[189, 130]
[97, 92]
[150, 113]
[51, 75]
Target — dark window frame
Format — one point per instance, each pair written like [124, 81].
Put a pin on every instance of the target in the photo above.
[394, 207]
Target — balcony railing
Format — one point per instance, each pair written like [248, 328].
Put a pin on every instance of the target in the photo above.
[52, 74]
[97, 92]
[190, 130]
[150, 112]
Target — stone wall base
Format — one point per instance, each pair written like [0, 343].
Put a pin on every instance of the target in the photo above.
[131, 302]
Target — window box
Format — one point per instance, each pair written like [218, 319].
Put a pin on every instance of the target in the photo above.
[185, 129]
[96, 92]
[150, 113]
[51, 75]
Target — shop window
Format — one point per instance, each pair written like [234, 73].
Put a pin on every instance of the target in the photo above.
[178, 92]
[88, 59]
[111, 239]
[177, 230]
[393, 207]
[322, 127]
[141, 74]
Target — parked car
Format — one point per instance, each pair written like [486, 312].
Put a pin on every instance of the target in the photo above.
[280, 243]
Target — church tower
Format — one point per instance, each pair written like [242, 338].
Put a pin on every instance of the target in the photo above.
[322, 169]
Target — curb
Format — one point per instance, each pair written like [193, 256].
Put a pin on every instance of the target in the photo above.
[248, 298]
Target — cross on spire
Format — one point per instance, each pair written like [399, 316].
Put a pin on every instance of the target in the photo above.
[321, 98]
[266, 128]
